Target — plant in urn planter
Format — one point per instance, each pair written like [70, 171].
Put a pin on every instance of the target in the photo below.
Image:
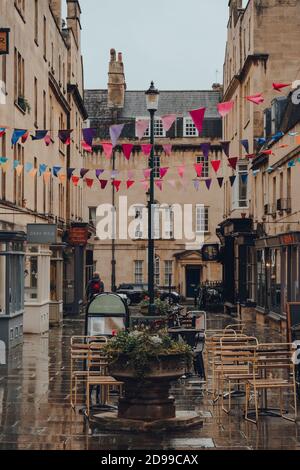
[147, 363]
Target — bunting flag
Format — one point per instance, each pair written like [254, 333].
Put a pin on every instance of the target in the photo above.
[233, 162]
[65, 136]
[244, 178]
[251, 155]
[5, 167]
[291, 164]
[220, 181]
[168, 121]
[196, 184]
[261, 140]
[199, 168]
[130, 174]
[39, 135]
[107, 149]
[86, 147]
[141, 126]
[208, 183]
[42, 169]
[277, 136]
[15, 164]
[83, 172]
[232, 180]
[245, 144]
[225, 108]
[70, 172]
[33, 172]
[279, 86]
[181, 171]
[267, 152]
[56, 170]
[2, 131]
[147, 173]
[256, 99]
[99, 173]
[172, 183]
[48, 141]
[28, 167]
[103, 183]
[226, 147]
[3, 160]
[75, 180]
[145, 185]
[127, 149]
[114, 174]
[163, 172]
[168, 149]
[88, 136]
[159, 184]
[89, 182]
[16, 135]
[205, 148]
[216, 165]
[146, 149]
[115, 131]
[62, 177]
[25, 137]
[47, 176]
[198, 117]
[19, 170]
[129, 183]
[293, 134]
[117, 184]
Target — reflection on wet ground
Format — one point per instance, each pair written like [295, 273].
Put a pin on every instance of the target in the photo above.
[35, 411]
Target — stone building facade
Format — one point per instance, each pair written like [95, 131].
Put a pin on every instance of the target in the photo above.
[176, 257]
[42, 81]
[258, 53]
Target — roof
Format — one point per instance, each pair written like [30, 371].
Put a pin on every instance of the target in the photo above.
[170, 102]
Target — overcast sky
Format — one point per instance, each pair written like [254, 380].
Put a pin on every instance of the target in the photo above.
[179, 44]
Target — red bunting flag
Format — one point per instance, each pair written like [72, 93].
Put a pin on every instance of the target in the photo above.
[159, 184]
[75, 180]
[163, 171]
[86, 147]
[127, 149]
[250, 155]
[198, 117]
[25, 137]
[89, 182]
[256, 99]
[233, 162]
[129, 183]
[267, 152]
[103, 183]
[146, 149]
[216, 165]
[107, 149]
[117, 184]
[48, 140]
[199, 169]
[2, 131]
[279, 86]
[225, 108]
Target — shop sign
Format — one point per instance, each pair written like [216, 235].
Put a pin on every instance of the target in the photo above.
[4, 41]
[41, 234]
[78, 236]
[289, 239]
[210, 252]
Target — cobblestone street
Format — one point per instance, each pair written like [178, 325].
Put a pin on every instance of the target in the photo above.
[35, 410]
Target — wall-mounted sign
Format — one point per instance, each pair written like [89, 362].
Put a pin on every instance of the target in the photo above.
[211, 252]
[78, 236]
[42, 234]
[4, 41]
[289, 239]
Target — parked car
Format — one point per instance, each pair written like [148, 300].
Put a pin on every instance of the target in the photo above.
[137, 292]
[125, 298]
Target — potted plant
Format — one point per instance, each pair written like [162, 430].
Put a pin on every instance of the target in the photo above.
[147, 362]
[161, 306]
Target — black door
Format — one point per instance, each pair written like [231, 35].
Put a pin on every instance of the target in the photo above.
[192, 280]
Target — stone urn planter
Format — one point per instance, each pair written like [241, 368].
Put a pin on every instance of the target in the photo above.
[148, 398]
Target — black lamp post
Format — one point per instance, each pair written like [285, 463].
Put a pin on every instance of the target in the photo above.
[152, 99]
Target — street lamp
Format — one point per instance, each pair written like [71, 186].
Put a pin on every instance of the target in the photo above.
[152, 99]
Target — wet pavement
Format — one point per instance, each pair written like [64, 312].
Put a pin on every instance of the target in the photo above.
[35, 412]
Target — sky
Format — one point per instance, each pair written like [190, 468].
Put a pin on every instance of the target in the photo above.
[180, 44]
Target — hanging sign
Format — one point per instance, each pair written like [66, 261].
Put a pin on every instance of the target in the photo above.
[4, 41]
[78, 236]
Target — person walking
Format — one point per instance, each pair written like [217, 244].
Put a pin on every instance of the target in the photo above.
[94, 287]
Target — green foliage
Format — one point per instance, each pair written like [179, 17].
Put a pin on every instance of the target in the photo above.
[161, 306]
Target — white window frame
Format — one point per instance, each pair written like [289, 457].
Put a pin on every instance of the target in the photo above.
[138, 271]
[202, 219]
[139, 215]
[161, 133]
[168, 271]
[188, 123]
[206, 167]
[156, 166]
[242, 169]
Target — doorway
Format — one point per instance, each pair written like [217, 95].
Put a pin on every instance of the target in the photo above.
[193, 279]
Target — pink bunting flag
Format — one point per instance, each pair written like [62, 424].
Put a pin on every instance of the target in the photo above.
[168, 121]
[47, 140]
[256, 99]
[145, 184]
[107, 149]
[159, 184]
[89, 182]
[86, 147]
[216, 165]
[198, 117]
[75, 180]
[163, 171]
[168, 149]
[172, 183]
[147, 173]
[199, 169]
[127, 149]
[181, 171]
[130, 174]
[141, 127]
[225, 108]
[146, 149]
[233, 162]
[279, 86]
[129, 183]
[117, 184]
[33, 172]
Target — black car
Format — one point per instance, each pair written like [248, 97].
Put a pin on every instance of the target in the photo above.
[137, 292]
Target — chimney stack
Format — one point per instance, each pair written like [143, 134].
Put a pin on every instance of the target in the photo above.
[55, 6]
[116, 81]
[73, 18]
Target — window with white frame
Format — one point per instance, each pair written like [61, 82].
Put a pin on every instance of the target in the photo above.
[205, 162]
[189, 128]
[139, 219]
[202, 219]
[240, 187]
[138, 272]
[157, 271]
[156, 222]
[158, 129]
[168, 227]
[168, 272]
[156, 166]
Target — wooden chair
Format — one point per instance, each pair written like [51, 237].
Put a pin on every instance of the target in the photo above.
[273, 369]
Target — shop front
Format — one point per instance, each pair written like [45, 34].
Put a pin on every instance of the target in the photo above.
[11, 288]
